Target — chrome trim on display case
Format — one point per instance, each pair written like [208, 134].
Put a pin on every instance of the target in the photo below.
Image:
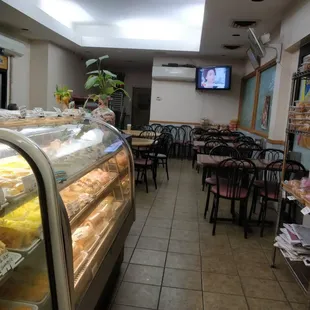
[42, 168]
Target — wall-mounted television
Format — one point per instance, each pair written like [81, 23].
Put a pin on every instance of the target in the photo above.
[213, 78]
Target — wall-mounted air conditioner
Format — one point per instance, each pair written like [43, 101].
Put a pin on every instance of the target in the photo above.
[11, 47]
[174, 74]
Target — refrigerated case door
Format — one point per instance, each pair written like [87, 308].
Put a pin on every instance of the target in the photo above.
[30, 254]
[92, 166]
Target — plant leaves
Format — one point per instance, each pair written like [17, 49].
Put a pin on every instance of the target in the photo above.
[109, 90]
[124, 91]
[93, 72]
[104, 96]
[90, 62]
[92, 81]
[109, 73]
[104, 57]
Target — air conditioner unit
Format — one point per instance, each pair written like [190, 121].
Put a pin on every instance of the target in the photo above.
[11, 47]
[174, 74]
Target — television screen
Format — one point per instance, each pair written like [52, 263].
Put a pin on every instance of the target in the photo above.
[216, 78]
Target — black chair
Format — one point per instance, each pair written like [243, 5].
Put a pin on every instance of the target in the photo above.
[225, 132]
[268, 155]
[221, 150]
[188, 140]
[272, 184]
[146, 162]
[180, 142]
[165, 141]
[249, 149]
[165, 129]
[212, 131]
[239, 175]
[243, 139]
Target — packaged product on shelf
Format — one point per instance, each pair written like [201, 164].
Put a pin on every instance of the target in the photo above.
[106, 208]
[84, 236]
[122, 159]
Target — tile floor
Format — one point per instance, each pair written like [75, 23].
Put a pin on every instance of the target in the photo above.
[173, 262]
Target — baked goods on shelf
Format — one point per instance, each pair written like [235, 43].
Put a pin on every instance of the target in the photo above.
[84, 236]
[15, 307]
[122, 159]
[27, 285]
[21, 227]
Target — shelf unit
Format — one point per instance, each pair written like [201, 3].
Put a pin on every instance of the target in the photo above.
[298, 269]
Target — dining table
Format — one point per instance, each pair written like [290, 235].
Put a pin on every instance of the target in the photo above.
[136, 133]
[141, 142]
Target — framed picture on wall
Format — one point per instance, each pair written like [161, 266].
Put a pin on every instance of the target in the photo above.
[3, 62]
[265, 113]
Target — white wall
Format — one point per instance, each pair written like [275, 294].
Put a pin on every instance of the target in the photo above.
[180, 102]
[38, 74]
[64, 69]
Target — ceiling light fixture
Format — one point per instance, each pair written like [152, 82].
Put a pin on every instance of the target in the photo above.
[236, 35]
[257, 0]
[192, 15]
[65, 12]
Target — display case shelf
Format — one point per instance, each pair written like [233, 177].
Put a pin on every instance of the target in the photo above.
[298, 201]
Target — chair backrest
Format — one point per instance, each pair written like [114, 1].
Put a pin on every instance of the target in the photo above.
[148, 134]
[224, 150]
[225, 132]
[204, 137]
[188, 130]
[270, 154]
[212, 131]
[211, 144]
[249, 149]
[244, 139]
[239, 177]
[273, 175]
[181, 134]
[237, 134]
[167, 141]
[215, 138]
[154, 126]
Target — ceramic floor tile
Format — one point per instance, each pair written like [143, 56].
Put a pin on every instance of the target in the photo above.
[179, 299]
[185, 235]
[221, 283]
[158, 222]
[215, 301]
[256, 270]
[182, 279]
[249, 255]
[144, 274]
[138, 295]
[127, 254]
[183, 261]
[263, 304]
[259, 288]
[131, 241]
[282, 273]
[136, 229]
[293, 292]
[149, 243]
[240, 242]
[178, 246]
[296, 306]
[155, 232]
[148, 257]
[161, 214]
[185, 216]
[186, 225]
[219, 264]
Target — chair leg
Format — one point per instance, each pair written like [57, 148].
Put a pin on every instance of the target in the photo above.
[253, 205]
[145, 180]
[215, 215]
[207, 201]
[194, 158]
[154, 177]
[167, 172]
[245, 217]
[264, 207]
[212, 210]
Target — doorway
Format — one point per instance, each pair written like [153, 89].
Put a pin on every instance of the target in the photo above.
[141, 106]
[3, 88]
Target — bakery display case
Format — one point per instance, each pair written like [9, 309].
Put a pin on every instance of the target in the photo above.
[66, 207]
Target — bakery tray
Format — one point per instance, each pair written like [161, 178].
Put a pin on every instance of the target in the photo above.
[27, 250]
[12, 305]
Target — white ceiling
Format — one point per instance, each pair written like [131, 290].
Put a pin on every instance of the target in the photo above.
[102, 17]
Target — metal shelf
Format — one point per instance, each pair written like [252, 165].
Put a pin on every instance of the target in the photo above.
[298, 132]
[301, 75]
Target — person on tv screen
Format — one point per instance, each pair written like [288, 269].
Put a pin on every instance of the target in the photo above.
[209, 75]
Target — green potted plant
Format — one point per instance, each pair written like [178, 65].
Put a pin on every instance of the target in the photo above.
[63, 96]
[106, 84]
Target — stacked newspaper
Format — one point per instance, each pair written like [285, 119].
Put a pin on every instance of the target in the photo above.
[294, 242]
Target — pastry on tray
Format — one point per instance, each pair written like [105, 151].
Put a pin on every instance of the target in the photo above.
[84, 236]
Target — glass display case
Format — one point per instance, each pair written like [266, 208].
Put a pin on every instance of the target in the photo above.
[66, 207]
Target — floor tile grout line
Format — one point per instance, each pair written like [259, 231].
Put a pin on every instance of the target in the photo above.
[162, 280]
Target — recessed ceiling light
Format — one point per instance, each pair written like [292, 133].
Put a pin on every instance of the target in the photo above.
[223, 55]
[257, 0]
[236, 35]
[25, 29]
